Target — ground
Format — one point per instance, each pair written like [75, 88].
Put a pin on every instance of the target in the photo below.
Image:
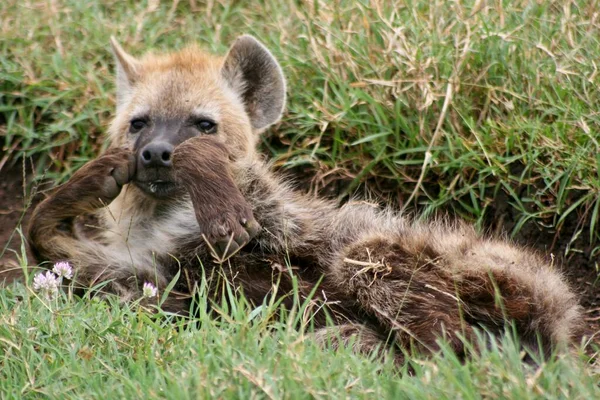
[12, 213]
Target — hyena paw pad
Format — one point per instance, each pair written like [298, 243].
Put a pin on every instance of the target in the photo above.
[232, 233]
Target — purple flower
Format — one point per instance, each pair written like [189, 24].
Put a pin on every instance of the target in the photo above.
[63, 270]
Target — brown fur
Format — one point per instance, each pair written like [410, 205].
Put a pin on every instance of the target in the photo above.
[386, 280]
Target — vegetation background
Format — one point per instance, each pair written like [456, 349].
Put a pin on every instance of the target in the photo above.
[482, 109]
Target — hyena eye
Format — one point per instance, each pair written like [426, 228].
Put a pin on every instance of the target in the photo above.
[137, 125]
[205, 126]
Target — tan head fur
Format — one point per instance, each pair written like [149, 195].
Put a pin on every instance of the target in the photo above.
[243, 92]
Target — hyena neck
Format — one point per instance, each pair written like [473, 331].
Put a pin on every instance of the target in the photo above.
[133, 209]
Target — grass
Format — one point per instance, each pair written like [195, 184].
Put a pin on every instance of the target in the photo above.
[487, 110]
[67, 348]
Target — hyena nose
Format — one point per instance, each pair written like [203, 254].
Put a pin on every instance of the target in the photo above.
[157, 154]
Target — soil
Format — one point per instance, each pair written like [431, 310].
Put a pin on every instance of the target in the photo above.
[14, 196]
[578, 267]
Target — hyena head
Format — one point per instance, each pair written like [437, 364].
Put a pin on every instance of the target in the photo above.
[162, 100]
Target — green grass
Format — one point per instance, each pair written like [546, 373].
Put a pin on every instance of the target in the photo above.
[67, 348]
[483, 109]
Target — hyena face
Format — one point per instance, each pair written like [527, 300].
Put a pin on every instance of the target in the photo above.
[163, 100]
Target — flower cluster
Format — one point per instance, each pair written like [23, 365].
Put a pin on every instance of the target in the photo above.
[47, 283]
[149, 290]
[63, 270]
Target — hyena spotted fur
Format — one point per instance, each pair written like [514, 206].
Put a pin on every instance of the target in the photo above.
[182, 186]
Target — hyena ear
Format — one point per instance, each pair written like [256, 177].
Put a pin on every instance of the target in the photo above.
[129, 71]
[256, 76]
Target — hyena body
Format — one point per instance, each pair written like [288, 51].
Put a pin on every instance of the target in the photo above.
[183, 185]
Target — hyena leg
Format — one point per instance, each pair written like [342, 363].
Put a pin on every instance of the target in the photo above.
[51, 231]
[225, 218]
[424, 287]
[500, 283]
[362, 339]
[404, 292]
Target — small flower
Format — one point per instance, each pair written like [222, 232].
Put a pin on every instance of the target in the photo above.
[46, 283]
[63, 270]
[149, 290]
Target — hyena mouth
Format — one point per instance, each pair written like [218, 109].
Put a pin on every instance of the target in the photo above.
[158, 188]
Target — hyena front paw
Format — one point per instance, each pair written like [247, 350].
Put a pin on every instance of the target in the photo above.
[230, 230]
[225, 218]
[101, 180]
